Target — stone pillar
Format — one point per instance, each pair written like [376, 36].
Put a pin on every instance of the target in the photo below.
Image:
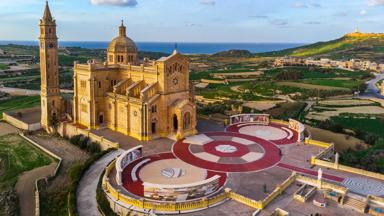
[336, 164]
[319, 178]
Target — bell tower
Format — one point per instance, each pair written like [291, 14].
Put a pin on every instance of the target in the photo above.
[49, 70]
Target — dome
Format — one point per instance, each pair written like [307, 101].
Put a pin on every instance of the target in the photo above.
[122, 43]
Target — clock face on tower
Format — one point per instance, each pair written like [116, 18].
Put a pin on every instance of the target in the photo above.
[50, 45]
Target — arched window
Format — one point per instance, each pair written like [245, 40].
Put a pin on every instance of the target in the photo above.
[122, 58]
[187, 121]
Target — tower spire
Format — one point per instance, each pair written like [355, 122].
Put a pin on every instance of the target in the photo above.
[47, 13]
[122, 30]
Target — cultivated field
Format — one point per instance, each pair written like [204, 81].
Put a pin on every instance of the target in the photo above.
[346, 102]
[323, 113]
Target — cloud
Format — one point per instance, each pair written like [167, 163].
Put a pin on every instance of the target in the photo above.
[363, 12]
[375, 2]
[208, 2]
[122, 3]
[299, 5]
[341, 14]
[312, 23]
[316, 5]
[190, 24]
[302, 5]
[259, 16]
[279, 22]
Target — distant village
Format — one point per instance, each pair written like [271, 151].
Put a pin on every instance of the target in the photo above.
[353, 64]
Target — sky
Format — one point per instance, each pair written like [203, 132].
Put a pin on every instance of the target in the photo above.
[301, 21]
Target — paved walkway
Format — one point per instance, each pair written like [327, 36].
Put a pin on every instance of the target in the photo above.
[25, 188]
[310, 172]
[86, 191]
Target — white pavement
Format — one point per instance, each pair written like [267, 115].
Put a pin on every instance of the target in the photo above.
[86, 191]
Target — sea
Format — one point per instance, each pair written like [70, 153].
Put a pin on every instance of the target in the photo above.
[168, 47]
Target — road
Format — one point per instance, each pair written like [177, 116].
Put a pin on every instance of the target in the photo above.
[372, 91]
[27, 92]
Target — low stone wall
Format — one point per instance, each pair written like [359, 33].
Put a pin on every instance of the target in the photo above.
[66, 129]
[316, 160]
[8, 117]
[279, 190]
[37, 193]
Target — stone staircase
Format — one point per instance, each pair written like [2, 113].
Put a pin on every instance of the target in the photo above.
[355, 204]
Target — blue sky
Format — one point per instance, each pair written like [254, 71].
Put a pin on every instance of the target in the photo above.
[195, 20]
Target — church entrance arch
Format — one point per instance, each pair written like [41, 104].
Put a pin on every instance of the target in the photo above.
[175, 123]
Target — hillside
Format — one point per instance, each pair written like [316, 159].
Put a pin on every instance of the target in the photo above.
[352, 45]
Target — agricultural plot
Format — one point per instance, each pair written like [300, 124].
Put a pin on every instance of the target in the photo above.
[346, 102]
[19, 102]
[324, 113]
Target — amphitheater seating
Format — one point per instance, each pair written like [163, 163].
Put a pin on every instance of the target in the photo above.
[290, 133]
[137, 166]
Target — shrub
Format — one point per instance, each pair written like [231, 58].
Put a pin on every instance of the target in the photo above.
[75, 175]
[75, 140]
[102, 200]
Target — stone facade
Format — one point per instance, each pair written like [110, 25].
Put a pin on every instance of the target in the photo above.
[147, 100]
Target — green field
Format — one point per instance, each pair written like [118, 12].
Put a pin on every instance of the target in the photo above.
[370, 129]
[3, 67]
[19, 102]
[348, 84]
[18, 156]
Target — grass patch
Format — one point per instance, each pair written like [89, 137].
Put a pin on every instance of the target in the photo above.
[18, 102]
[3, 67]
[346, 84]
[18, 156]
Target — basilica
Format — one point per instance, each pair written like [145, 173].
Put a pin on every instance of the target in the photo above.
[144, 99]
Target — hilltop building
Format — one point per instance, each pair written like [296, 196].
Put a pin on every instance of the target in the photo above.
[145, 100]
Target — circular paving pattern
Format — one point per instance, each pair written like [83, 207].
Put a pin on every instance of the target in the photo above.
[226, 148]
[364, 186]
[166, 169]
[227, 152]
[278, 134]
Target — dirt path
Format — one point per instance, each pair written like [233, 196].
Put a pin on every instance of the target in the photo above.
[25, 187]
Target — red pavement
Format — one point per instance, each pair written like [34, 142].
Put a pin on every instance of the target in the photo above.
[310, 172]
[271, 155]
[285, 141]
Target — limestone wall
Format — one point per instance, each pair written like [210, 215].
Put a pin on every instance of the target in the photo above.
[20, 124]
[66, 129]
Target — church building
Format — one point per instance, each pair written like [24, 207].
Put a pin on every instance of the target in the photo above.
[140, 98]
[144, 100]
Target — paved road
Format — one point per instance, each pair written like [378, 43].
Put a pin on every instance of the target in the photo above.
[372, 91]
[27, 92]
[86, 191]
